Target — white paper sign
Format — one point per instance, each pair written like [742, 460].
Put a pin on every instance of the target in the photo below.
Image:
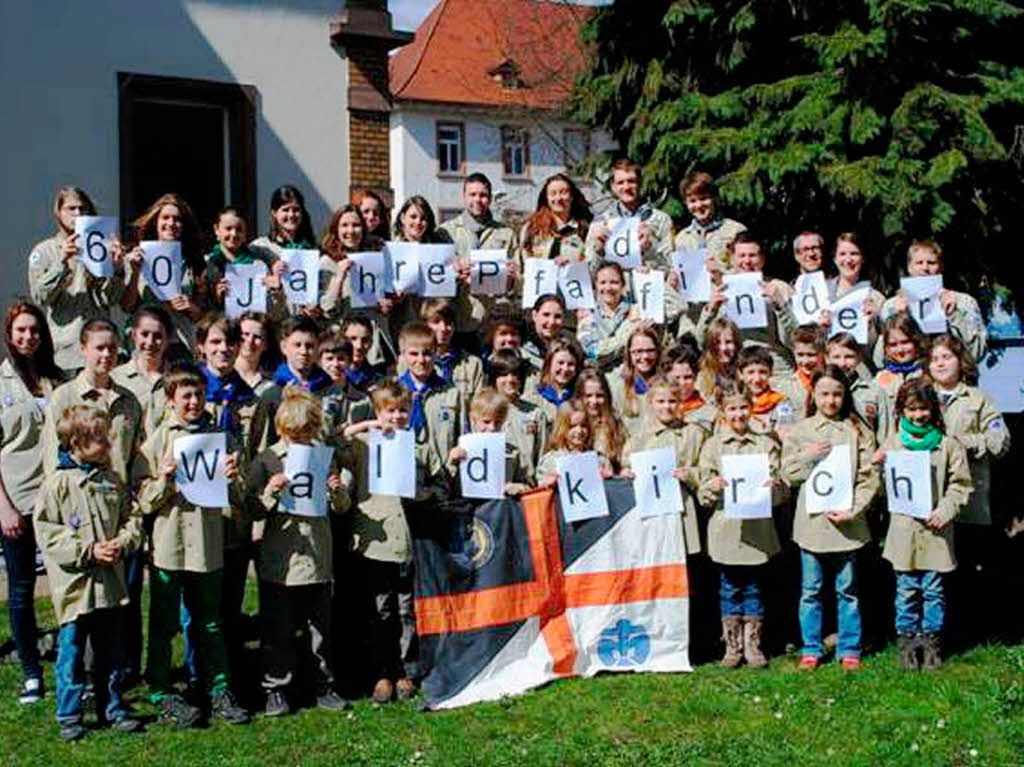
[623, 243]
[830, 484]
[580, 487]
[810, 298]
[200, 476]
[367, 279]
[306, 467]
[649, 292]
[403, 267]
[908, 482]
[392, 464]
[540, 277]
[95, 236]
[848, 316]
[437, 271]
[482, 474]
[744, 302]
[747, 494]
[489, 273]
[576, 285]
[247, 292]
[162, 267]
[657, 491]
[694, 278]
[301, 280]
[923, 302]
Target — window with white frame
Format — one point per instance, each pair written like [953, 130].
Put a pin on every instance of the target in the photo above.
[515, 151]
[451, 142]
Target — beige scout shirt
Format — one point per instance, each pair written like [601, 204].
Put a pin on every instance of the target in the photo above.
[527, 428]
[445, 413]
[817, 533]
[78, 507]
[149, 393]
[185, 537]
[658, 255]
[887, 385]
[972, 418]
[125, 421]
[635, 420]
[738, 541]
[21, 427]
[295, 550]
[966, 323]
[716, 237]
[548, 463]
[686, 442]
[909, 543]
[70, 296]
[380, 530]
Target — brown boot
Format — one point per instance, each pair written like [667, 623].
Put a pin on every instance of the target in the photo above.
[931, 652]
[732, 635]
[752, 643]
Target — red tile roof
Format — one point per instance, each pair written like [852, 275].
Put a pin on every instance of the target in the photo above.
[458, 51]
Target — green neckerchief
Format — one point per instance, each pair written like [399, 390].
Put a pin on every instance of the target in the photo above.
[219, 259]
[927, 437]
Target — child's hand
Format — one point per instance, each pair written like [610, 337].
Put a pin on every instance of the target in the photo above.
[561, 260]
[599, 231]
[272, 281]
[645, 237]
[134, 259]
[549, 480]
[870, 310]
[605, 472]
[839, 516]
[935, 522]
[825, 318]
[948, 300]
[627, 474]
[818, 450]
[900, 303]
[513, 489]
[104, 552]
[673, 279]
[231, 465]
[681, 473]
[878, 456]
[279, 482]
[358, 428]
[457, 454]
[69, 249]
[220, 288]
[335, 482]
[169, 466]
[717, 484]
[717, 297]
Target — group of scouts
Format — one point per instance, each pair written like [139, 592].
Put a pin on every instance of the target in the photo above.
[100, 378]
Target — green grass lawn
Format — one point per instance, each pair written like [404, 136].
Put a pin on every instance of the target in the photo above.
[971, 712]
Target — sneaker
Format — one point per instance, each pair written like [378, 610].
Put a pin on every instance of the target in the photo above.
[808, 662]
[70, 732]
[851, 663]
[224, 706]
[931, 652]
[907, 645]
[277, 704]
[174, 709]
[31, 692]
[331, 701]
[126, 724]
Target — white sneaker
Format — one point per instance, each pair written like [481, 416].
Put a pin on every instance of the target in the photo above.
[31, 691]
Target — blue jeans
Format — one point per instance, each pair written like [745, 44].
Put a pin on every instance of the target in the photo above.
[920, 602]
[104, 629]
[20, 560]
[844, 566]
[739, 591]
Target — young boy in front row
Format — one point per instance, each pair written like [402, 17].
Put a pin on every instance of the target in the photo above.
[771, 411]
[487, 413]
[295, 561]
[187, 552]
[84, 529]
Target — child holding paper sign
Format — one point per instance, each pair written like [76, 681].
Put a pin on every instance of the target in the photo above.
[904, 352]
[921, 550]
[187, 549]
[610, 435]
[487, 413]
[741, 547]
[571, 434]
[830, 541]
[296, 567]
[231, 232]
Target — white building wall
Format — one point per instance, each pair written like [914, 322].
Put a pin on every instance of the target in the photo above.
[59, 125]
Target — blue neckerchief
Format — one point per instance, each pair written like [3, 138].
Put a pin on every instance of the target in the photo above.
[444, 364]
[417, 416]
[902, 367]
[711, 226]
[361, 378]
[227, 390]
[552, 395]
[65, 461]
[317, 380]
[639, 385]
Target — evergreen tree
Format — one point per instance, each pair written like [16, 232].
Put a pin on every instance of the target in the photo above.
[899, 119]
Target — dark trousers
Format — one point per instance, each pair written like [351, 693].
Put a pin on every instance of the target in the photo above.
[285, 612]
[135, 566]
[395, 651]
[20, 560]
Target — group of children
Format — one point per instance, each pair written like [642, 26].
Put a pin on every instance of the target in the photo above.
[555, 382]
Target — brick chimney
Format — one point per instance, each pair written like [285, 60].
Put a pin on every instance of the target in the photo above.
[364, 31]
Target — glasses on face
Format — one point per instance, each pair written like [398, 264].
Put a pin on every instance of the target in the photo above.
[644, 352]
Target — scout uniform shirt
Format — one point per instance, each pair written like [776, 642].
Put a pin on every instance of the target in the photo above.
[216, 267]
[469, 234]
[635, 422]
[976, 424]
[716, 236]
[548, 463]
[910, 544]
[515, 468]
[527, 428]
[185, 537]
[658, 254]
[887, 386]
[603, 334]
[125, 421]
[21, 427]
[817, 533]
[70, 296]
[80, 506]
[148, 393]
[966, 323]
[296, 550]
[459, 368]
[686, 442]
[734, 541]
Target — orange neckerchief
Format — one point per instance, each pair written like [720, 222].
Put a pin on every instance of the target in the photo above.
[804, 379]
[694, 401]
[766, 402]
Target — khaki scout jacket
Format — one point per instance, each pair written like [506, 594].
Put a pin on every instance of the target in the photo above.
[527, 428]
[125, 421]
[887, 384]
[70, 296]
[686, 442]
[467, 374]
[972, 418]
[966, 323]
[21, 428]
[909, 543]
[716, 237]
[78, 507]
[636, 422]
[470, 234]
[603, 336]
[185, 537]
[738, 541]
[445, 412]
[515, 468]
[818, 534]
[295, 550]
[149, 394]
